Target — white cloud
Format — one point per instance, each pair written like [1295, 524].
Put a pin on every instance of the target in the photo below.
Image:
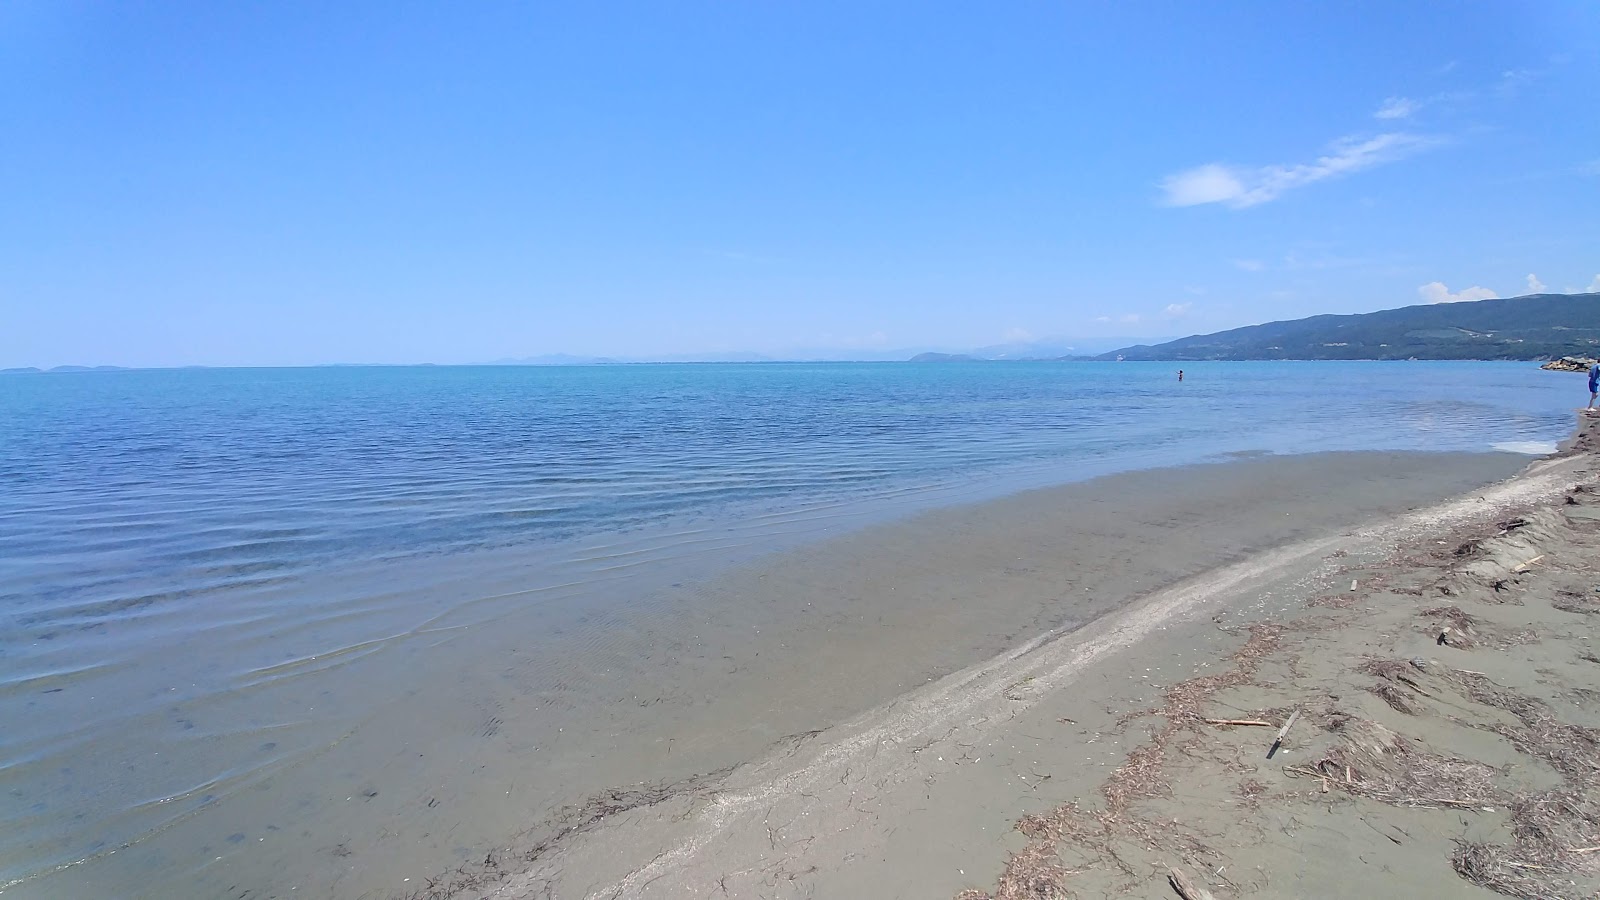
[1176, 310]
[1436, 292]
[1014, 335]
[1213, 183]
[1593, 285]
[1102, 318]
[1535, 286]
[1397, 108]
[1249, 265]
[1130, 319]
[1240, 187]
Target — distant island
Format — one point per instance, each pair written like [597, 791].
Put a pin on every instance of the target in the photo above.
[1534, 327]
[34, 370]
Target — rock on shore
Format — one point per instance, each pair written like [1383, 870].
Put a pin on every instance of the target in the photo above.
[1569, 364]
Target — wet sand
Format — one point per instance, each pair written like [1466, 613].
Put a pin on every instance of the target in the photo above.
[680, 696]
[1090, 762]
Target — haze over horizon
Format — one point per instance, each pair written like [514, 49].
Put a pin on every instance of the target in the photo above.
[193, 184]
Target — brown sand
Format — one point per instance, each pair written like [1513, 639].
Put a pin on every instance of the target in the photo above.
[1084, 764]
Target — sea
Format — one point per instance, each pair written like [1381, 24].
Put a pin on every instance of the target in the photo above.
[221, 590]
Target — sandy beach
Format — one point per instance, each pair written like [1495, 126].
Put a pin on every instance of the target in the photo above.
[1092, 757]
[563, 452]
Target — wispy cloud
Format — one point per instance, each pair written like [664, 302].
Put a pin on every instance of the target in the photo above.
[1592, 167]
[1248, 265]
[1593, 285]
[1177, 310]
[1321, 259]
[1535, 286]
[1240, 187]
[1436, 292]
[1514, 80]
[1397, 108]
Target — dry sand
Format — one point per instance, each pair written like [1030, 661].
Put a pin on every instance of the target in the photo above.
[1422, 763]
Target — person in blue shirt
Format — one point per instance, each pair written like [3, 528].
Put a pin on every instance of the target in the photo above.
[1594, 383]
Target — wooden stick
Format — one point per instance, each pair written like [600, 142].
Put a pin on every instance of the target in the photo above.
[1582, 849]
[1413, 685]
[1528, 565]
[1277, 741]
[1453, 804]
[1238, 722]
[1187, 889]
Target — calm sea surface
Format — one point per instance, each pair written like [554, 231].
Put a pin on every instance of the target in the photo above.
[190, 558]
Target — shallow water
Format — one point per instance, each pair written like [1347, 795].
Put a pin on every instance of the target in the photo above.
[209, 577]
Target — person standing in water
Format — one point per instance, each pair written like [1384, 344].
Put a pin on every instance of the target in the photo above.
[1591, 377]
[1594, 383]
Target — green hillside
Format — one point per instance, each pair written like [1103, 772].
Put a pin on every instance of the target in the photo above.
[1538, 326]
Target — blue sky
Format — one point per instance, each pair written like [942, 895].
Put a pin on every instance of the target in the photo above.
[282, 183]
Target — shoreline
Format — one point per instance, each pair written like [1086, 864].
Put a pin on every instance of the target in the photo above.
[708, 676]
[920, 796]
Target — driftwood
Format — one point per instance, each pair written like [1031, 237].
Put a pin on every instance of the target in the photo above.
[1186, 888]
[1278, 741]
[1527, 565]
[1238, 722]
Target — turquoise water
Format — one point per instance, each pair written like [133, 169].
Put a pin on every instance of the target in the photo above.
[209, 479]
[168, 537]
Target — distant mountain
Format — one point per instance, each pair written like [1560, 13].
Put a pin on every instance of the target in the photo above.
[944, 358]
[555, 359]
[1046, 349]
[21, 370]
[731, 357]
[1055, 348]
[1538, 326]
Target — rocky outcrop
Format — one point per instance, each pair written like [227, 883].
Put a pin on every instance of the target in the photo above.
[1569, 364]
